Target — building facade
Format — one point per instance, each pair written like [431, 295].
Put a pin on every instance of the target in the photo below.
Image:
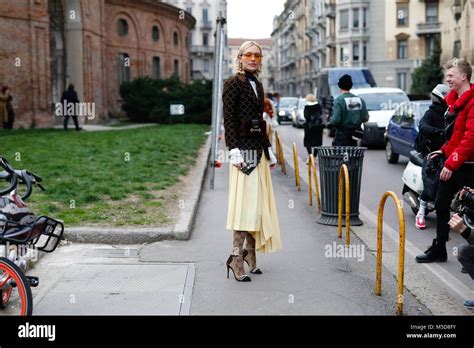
[457, 40]
[202, 38]
[391, 37]
[411, 31]
[96, 45]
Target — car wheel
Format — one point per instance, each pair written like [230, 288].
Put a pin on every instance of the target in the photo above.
[390, 155]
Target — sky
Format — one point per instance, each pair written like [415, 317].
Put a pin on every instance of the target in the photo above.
[252, 19]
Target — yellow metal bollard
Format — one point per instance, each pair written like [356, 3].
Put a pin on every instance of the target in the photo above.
[297, 171]
[344, 171]
[401, 252]
[310, 186]
[316, 184]
[280, 155]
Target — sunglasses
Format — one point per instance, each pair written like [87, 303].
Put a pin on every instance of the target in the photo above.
[249, 55]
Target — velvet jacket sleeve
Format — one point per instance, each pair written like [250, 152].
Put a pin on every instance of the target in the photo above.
[231, 100]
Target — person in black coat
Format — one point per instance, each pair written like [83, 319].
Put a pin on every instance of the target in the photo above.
[70, 96]
[313, 128]
[430, 138]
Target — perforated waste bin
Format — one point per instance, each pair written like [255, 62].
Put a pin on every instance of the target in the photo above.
[330, 160]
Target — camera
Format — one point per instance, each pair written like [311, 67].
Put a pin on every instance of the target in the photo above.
[465, 207]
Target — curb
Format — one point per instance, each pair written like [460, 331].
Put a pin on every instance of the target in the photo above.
[181, 231]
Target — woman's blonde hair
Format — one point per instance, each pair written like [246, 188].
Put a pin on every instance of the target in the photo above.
[311, 98]
[238, 65]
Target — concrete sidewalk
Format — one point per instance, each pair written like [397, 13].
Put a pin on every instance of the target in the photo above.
[302, 278]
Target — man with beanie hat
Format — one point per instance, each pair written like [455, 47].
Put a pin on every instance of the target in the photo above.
[349, 112]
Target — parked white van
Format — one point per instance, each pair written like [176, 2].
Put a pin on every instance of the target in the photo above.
[381, 103]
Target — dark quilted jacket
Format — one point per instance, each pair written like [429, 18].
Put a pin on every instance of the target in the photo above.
[240, 105]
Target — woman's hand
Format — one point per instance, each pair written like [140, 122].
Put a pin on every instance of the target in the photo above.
[236, 159]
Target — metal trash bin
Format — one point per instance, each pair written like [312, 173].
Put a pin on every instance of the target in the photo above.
[330, 160]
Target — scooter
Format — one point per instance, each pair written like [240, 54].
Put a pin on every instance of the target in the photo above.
[413, 183]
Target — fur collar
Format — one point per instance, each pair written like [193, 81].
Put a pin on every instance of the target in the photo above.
[458, 103]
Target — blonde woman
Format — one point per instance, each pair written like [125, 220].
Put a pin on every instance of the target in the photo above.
[252, 214]
[314, 126]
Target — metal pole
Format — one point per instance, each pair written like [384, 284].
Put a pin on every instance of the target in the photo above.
[220, 81]
[216, 102]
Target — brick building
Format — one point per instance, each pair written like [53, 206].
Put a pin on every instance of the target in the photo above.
[95, 44]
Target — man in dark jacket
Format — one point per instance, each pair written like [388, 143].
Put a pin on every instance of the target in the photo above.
[70, 96]
[458, 151]
[430, 138]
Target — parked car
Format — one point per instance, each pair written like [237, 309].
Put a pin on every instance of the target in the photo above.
[402, 129]
[285, 107]
[297, 116]
[327, 89]
[381, 103]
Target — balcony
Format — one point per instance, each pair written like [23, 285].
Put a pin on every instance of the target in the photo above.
[428, 28]
[288, 63]
[300, 12]
[206, 25]
[330, 10]
[330, 41]
[202, 50]
[309, 32]
[321, 21]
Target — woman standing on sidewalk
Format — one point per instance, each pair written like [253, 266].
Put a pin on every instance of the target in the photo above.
[313, 128]
[252, 211]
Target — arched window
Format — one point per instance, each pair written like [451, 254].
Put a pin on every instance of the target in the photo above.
[175, 39]
[155, 33]
[122, 27]
[176, 68]
[124, 64]
[156, 68]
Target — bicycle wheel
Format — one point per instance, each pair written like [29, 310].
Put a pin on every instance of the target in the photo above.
[16, 297]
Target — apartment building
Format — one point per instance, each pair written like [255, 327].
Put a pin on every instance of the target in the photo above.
[457, 41]
[298, 50]
[391, 37]
[201, 39]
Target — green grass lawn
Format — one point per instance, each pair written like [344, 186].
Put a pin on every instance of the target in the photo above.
[116, 178]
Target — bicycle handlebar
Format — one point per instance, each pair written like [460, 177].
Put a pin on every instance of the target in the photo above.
[6, 165]
[24, 177]
[13, 184]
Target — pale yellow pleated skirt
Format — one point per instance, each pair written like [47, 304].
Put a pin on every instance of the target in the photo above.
[252, 206]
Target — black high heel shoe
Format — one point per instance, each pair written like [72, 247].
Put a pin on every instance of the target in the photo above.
[255, 270]
[243, 277]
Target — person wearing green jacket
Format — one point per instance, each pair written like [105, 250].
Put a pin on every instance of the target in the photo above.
[349, 112]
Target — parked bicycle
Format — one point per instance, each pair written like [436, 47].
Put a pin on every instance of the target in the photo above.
[20, 228]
